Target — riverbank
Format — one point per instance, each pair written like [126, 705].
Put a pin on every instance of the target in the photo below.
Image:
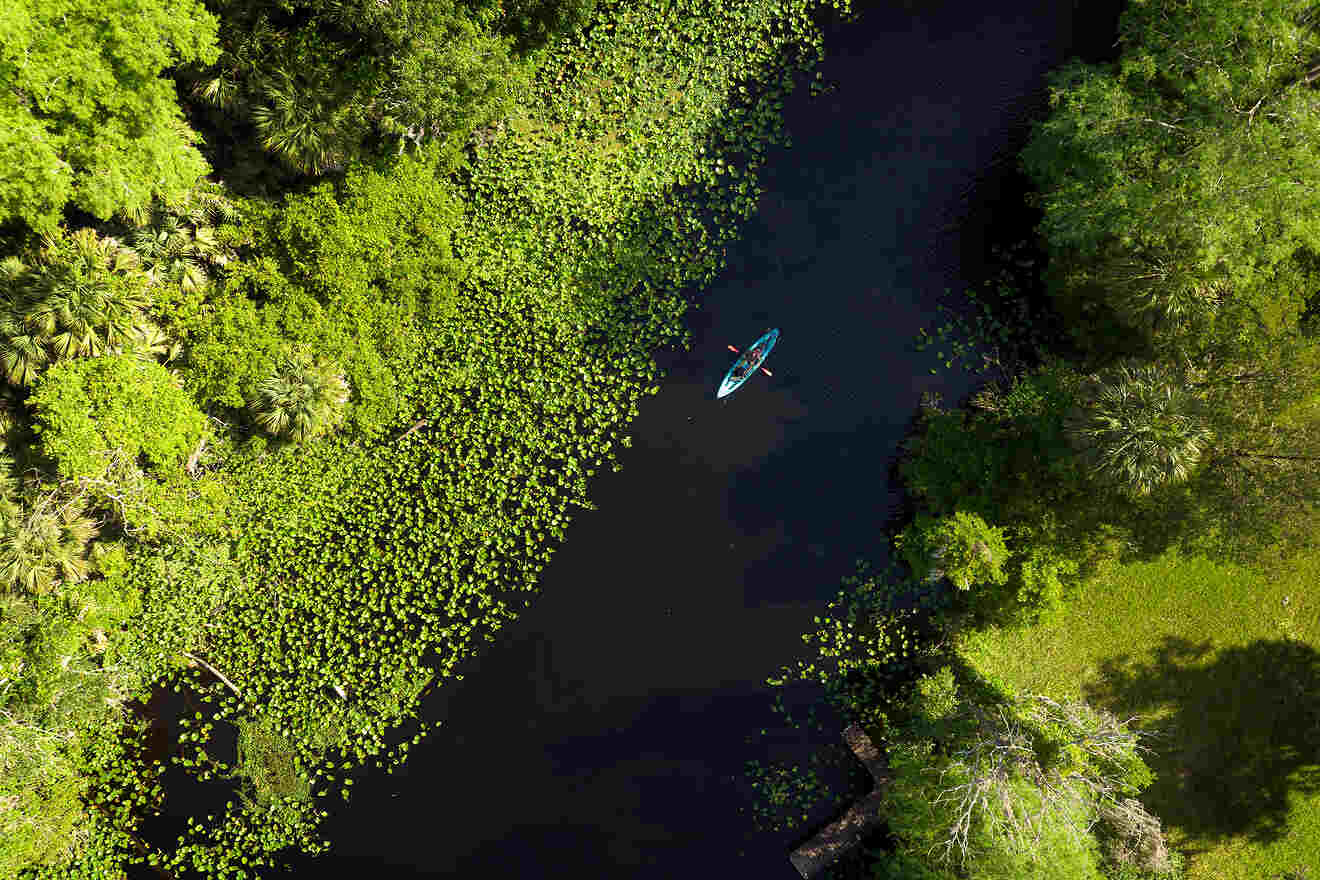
[376, 563]
[626, 745]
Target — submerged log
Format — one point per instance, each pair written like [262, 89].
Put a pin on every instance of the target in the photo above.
[846, 832]
[417, 427]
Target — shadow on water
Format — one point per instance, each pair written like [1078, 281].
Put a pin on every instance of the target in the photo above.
[856, 464]
[1242, 737]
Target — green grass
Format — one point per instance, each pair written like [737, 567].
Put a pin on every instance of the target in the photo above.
[1227, 670]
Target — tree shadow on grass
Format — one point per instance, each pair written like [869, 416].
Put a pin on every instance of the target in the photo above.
[1242, 736]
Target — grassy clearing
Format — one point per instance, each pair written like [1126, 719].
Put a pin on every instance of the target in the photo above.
[1222, 661]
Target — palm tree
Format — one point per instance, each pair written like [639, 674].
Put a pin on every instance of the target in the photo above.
[1157, 291]
[178, 242]
[304, 398]
[303, 123]
[23, 353]
[85, 296]
[89, 297]
[46, 547]
[149, 342]
[1140, 428]
[240, 61]
[169, 253]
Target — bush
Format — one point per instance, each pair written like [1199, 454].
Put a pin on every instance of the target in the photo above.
[1177, 870]
[46, 545]
[304, 398]
[1038, 584]
[951, 462]
[359, 272]
[963, 548]
[92, 410]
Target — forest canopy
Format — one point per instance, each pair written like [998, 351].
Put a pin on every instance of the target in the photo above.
[88, 116]
[1186, 174]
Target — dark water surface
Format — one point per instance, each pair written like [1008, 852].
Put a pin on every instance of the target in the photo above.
[598, 737]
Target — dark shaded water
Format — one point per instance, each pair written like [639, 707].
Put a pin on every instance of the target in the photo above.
[600, 736]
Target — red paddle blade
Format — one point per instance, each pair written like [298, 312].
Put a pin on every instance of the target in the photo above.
[767, 372]
[732, 349]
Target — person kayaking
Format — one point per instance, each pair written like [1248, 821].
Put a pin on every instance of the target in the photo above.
[747, 363]
[749, 358]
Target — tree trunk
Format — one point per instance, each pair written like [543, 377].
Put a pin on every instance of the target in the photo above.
[191, 466]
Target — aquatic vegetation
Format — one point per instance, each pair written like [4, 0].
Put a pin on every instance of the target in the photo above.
[495, 312]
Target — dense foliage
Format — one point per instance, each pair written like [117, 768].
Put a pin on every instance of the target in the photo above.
[302, 399]
[457, 337]
[87, 115]
[202, 621]
[326, 82]
[92, 410]
[1179, 176]
[79, 295]
[1178, 411]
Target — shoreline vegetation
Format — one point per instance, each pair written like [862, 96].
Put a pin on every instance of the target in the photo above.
[1091, 658]
[393, 278]
[318, 317]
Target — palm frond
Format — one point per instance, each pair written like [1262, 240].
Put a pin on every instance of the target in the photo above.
[304, 398]
[1140, 429]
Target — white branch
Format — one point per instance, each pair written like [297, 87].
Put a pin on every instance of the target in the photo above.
[216, 672]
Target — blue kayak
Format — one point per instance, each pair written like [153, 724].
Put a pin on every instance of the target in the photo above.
[747, 363]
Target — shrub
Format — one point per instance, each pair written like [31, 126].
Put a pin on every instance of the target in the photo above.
[45, 546]
[951, 463]
[1038, 584]
[963, 548]
[303, 399]
[91, 411]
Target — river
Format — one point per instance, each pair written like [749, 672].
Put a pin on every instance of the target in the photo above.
[602, 735]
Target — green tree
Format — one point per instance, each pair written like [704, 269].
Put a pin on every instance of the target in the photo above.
[45, 546]
[1227, 442]
[1139, 428]
[990, 784]
[304, 398]
[1184, 175]
[320, 79]
[358, 272]
[85, 115]
[535, 23]
[963, 548]
[181, 244]
[309, 118]
[83, 296]
[94, 411]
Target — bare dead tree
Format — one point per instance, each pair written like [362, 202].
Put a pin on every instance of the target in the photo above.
[991, 766]
[1135, 836]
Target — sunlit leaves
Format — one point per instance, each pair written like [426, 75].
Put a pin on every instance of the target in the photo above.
[1182, 175]
[45, 546]
[92, 409]
[372, 561]
[86, 115]
[1140, 428]
[83, 296]
[302, 399]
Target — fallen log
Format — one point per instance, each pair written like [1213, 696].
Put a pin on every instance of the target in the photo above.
[846, 832]
[422, 423]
